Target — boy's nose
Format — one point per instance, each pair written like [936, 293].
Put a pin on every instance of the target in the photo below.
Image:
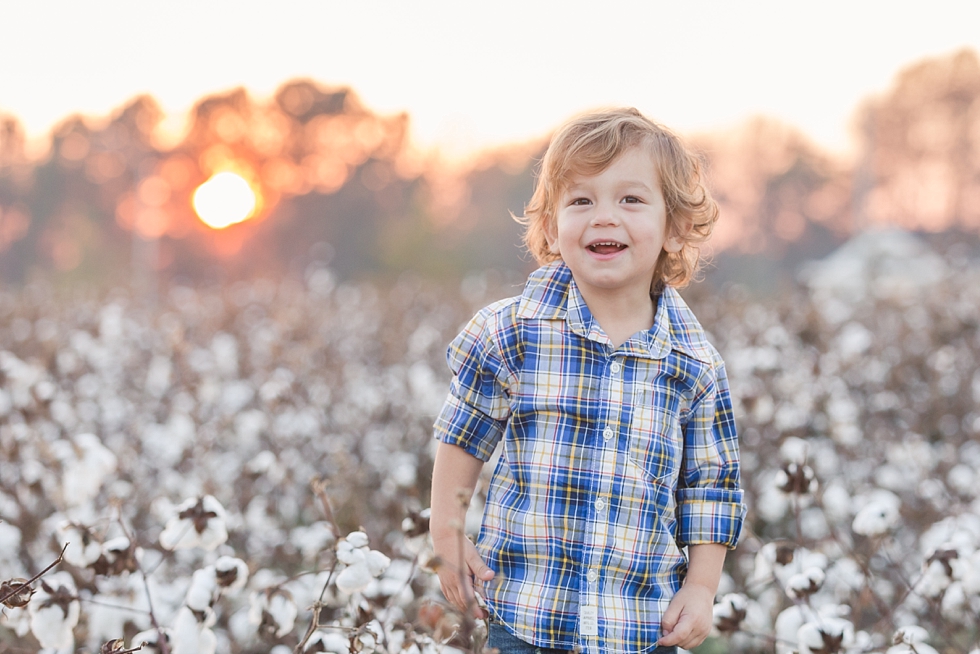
[605, 214]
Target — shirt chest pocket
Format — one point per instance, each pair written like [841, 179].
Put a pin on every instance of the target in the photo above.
[655, 433]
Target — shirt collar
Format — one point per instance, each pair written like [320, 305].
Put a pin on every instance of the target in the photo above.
[551, 294]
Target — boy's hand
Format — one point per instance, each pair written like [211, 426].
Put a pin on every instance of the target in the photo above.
[457, 585]
[687, 620]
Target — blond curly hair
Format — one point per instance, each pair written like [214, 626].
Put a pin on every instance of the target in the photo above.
[587, 145]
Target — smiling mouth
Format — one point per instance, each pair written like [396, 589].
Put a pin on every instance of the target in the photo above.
[606, 247]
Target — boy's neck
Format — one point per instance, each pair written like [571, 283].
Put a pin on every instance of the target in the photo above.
[620, 314]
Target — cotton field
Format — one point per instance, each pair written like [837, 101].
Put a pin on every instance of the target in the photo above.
[246, 468]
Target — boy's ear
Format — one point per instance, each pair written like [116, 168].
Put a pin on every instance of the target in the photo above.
[674, 242]
[551, 235]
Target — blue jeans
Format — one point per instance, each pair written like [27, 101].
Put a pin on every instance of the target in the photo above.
[501, 639]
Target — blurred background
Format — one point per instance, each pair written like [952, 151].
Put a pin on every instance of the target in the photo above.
[222, 142]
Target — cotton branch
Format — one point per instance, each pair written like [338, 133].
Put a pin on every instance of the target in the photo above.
[14, 588]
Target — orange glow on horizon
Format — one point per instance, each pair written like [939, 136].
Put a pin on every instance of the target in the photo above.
[223, 200]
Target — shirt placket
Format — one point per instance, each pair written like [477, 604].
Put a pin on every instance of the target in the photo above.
[604, 467]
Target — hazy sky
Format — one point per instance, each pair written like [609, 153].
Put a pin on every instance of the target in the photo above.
[472, 74]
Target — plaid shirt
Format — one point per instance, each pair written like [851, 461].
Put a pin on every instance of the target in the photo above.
[612, 460]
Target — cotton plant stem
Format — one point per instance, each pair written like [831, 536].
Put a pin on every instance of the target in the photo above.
[17, 588]
[161, 636]
[950, 639]
[110, 605]
[314, 623]
[319, 488]
[886, 610]
[797, 521]
[387, 606]
[466, 628]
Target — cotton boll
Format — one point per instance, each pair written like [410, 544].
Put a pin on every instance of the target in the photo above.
[853, 339]
[377, 563]
[235, 396]
[787, 628]
[955, 602]
[728, 613]
[158, 375]
[273, 611]
[782, 560]
[879, 515]
[962, 479]
[350, 555]
[368, 637]
[934, 492]
[936, 577]
[911, 640]
[86, 471]
[231, 573]
[17, 620]
[818, 638]
[120, 600]
[328, 641]
[847, 434]
[813, 524]
[844, 577]
[249, 426]
[968, 571]
[912, 635]
[394, 582]
[770, 503]
[83, 549]
[806, 583]
[892, 477]
[118, 556]
[836, 502]
[224, 348]
[241, 629]
[768, 558]
[152, 638]
[200, 523]
[266, 463]
[796, 479]
[960, 532]
[55, 611]
[354, 578]
[357, 539]
[204, 585]
[312, 539]
[189, 636]
[794, 450]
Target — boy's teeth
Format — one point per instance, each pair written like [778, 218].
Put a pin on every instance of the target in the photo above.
[606, 245]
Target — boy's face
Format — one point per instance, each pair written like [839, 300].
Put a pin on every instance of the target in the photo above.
[611, 227]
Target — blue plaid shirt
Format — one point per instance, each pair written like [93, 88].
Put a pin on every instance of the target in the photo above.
[612, 460]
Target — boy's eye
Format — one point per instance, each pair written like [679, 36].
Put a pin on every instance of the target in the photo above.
[631, 199]
[580, 202]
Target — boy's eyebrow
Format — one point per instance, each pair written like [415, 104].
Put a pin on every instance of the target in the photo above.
[631, 183]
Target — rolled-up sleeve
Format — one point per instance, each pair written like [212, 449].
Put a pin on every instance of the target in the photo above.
[709, 500]
[475, 413]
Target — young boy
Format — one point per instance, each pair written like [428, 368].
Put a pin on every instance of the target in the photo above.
[619, 446]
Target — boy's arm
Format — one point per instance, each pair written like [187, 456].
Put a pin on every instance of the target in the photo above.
[687, 621]
[454, 478]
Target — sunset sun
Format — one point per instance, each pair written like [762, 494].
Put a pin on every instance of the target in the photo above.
[224, 200]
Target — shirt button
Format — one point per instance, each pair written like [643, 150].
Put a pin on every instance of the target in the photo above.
[607, 433]
[600, 504]
[593, 575]
[616, 367]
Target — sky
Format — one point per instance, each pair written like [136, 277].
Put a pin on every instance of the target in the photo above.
[476, 74]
